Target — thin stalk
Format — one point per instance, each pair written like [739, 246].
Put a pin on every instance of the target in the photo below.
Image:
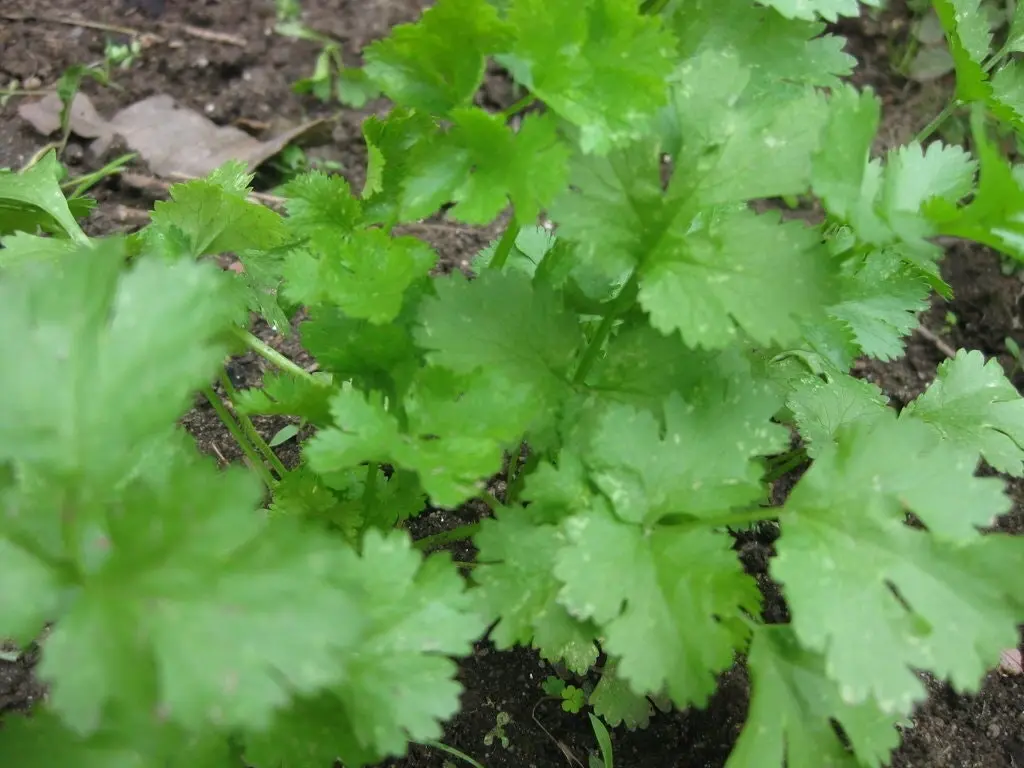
[236, 432]
[733, 519]
[501, 253]
[447, 537]
[651, 7]
[787, 463]
[272, 356]
[370, 485]
[82, 184]
[510, 474]
[937, 121]
[520, 105]
[621, 303]
[454, 753]
[250, 429]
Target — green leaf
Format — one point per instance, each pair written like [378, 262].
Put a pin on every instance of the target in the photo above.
[34, 198]
[613, 700]
[212, 215]
[698, 465]
[830, 10]
[502, 323]
[737, 271]
[191, 608]
[366, 274]
[822, 408]
[669, 627]
[33, 597]
[85, 338]
[791, 712]
[287, 395]
[967, 31]
[321, 206]
[389, 144]
[417, 66]
[972, 405]
[840, 163]
[600, 64]
[481, 164]
[23, 248]
[781, 53]
[417, 613]
[516, 585]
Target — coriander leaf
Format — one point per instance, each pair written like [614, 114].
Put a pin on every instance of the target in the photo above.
[830, 10]
[736, 270]
[389, 144]
[668, 626]
[380, 357]
[34, 198]
[417, 66]
[191, 607]
[791, 712]
[289, 395]
[516, 585]
[22, 247]
[616, 703]
[366, 274]
[455, 437]
[88, 335]
[995, 215]
[972, 405]
[780, 52]
[880, 298]
[892, 466]
[701, 465]
[601, 65]
[303, 494]
[966, 26]
[43, 741]
[878, 598]
[321, 206]
[841, 161]
[481, 164]
[417, 614]
[212, 215]
[502, 323]
[734, 140]
[33, 596]
[822, 408]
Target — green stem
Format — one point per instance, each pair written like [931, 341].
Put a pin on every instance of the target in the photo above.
[501, 253]
[454, 753]
[520, 105]
[272, 355]
[81, 184]
[249, 428]
[620, 305]
[447, 537]
[733, 519]
[510, 474]
[370, 485]
[651, 7]
[236, 432]
[937, 121]
[786, 463]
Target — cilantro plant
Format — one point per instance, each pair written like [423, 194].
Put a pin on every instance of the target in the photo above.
[673, 344]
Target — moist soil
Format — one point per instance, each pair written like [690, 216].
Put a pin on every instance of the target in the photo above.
[246, 81]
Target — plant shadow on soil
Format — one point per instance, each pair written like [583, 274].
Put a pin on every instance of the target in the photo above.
[252, 82]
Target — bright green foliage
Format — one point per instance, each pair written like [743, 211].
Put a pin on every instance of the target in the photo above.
[629, 582]
[826, 9]
[973, 406]
[617, 704]
[33, 198]
[290, 395]
[599, 64]
[418, 66]
[822, 408]
[481, 165]
[967, 31]
[791, 706]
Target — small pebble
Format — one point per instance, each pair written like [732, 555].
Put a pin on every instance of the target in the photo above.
[33, 82]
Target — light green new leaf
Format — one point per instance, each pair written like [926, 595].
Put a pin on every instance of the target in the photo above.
[189, 609]
[321, 206]
[822, 408]
[481, 164]
[418, 65]
[973, 406]
[416, 614]
[701, 462]
[881, 600]
[288, 395]
[26, 195]
[516, 585]
[86, 338]
[782, 54]
[212, 215]
[617, 704]
[791, 708]
[366, 275]
[829, 10]
[599, 64]
[501, 322]
[736, 272]
[669, 626]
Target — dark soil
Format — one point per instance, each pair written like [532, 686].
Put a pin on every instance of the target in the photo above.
[250, 85]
